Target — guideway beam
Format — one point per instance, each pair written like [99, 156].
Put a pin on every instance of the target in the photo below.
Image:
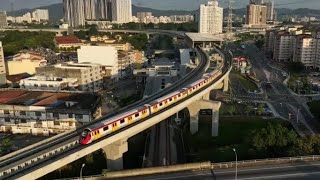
[194, 110]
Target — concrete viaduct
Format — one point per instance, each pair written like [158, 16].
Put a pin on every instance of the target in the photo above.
[57, 155]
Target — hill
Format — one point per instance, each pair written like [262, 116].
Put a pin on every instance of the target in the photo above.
[56, 12]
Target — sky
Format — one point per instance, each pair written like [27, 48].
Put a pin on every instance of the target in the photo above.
[164, 4]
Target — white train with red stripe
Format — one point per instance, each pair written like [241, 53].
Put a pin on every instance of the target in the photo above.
[112, 124]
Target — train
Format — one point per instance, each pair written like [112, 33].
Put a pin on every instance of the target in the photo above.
[113, 124]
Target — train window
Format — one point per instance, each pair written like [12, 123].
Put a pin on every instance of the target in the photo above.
[114, 125]
[170, 99]
[122, 121]
[130, 117]
[136, 115]
[194, 88]
[179, 95]
[160, 104]
[106, 128]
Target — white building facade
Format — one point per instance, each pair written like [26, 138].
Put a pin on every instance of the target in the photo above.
[40, 15]
[3, 78]
[121, 11]
[104, 55]
[48, 83]
[211, 18]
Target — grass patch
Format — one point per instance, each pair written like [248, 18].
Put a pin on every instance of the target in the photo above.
[233, 133]
[314, 108]
[246, 83]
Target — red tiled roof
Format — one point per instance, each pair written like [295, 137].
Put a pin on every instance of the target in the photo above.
[17, 77]
[10, 95]
[67, 40]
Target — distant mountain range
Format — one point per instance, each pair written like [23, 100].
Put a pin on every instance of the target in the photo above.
[56, 12]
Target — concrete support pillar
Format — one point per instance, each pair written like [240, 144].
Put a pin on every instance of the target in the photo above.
[194, 110]
[194, 119]
[215, 123]
[206, 96]
[114, 153]
[148, 36]
[226, 84]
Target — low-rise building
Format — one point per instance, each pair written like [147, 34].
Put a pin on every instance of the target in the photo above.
[44, 113]
[106, 56]
[89, 76]
[48, 83]
[24, 62]
[68, 42]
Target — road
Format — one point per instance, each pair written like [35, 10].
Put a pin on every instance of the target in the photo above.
[296, 171]
[288, 106]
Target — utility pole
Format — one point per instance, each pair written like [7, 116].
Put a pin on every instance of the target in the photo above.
[229, 20]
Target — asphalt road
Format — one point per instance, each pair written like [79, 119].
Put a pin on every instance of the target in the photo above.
[279, 95]
[297, 171]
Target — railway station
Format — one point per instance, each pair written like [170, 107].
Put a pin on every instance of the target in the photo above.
[203, 40]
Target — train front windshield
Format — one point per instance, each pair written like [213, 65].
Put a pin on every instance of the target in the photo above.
[84, 134]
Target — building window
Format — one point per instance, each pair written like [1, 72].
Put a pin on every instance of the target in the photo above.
[79, 116]
[6, 112]
[6, 119]
[70, 115]
[23, 113]
[23, 121]
[56, 123]
[38, 114]
[56, 115]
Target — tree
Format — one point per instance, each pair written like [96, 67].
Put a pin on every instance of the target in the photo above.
[5, 145]
[93, 30]
[260, 109]
[231, 109]
[248, 109]
[275, 140]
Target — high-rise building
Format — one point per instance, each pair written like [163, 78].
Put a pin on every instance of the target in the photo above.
[90, 9]
[103, 9]
[3, 19]
[74, 12]
[40, 14]
[270, 10]
[211, 18]
[121, 11]
[256, 14]
[3, 79]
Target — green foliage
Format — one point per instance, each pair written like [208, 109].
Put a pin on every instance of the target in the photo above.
[189, 26]
[138, 41]
[163, 42]
[296, 67]
[274, 140]
[81, 34]
[248, 109]
[299, 83]
[314, 108]
[5, 145]
[15, 41]
[93, 30]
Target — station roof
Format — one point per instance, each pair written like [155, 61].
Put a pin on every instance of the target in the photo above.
[203, 37]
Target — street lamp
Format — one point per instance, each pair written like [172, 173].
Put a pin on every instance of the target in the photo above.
[81, 170]
[235, 152]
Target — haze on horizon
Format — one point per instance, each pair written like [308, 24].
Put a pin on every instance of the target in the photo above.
[163, 4]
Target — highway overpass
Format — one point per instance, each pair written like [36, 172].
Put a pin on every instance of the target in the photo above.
[59, 31]
[40, 159]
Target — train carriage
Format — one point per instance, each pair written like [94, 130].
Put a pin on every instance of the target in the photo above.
[165, 101]
[112, 124]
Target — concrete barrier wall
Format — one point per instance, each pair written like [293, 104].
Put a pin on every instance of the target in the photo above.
[34, 145]
[158, 170]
